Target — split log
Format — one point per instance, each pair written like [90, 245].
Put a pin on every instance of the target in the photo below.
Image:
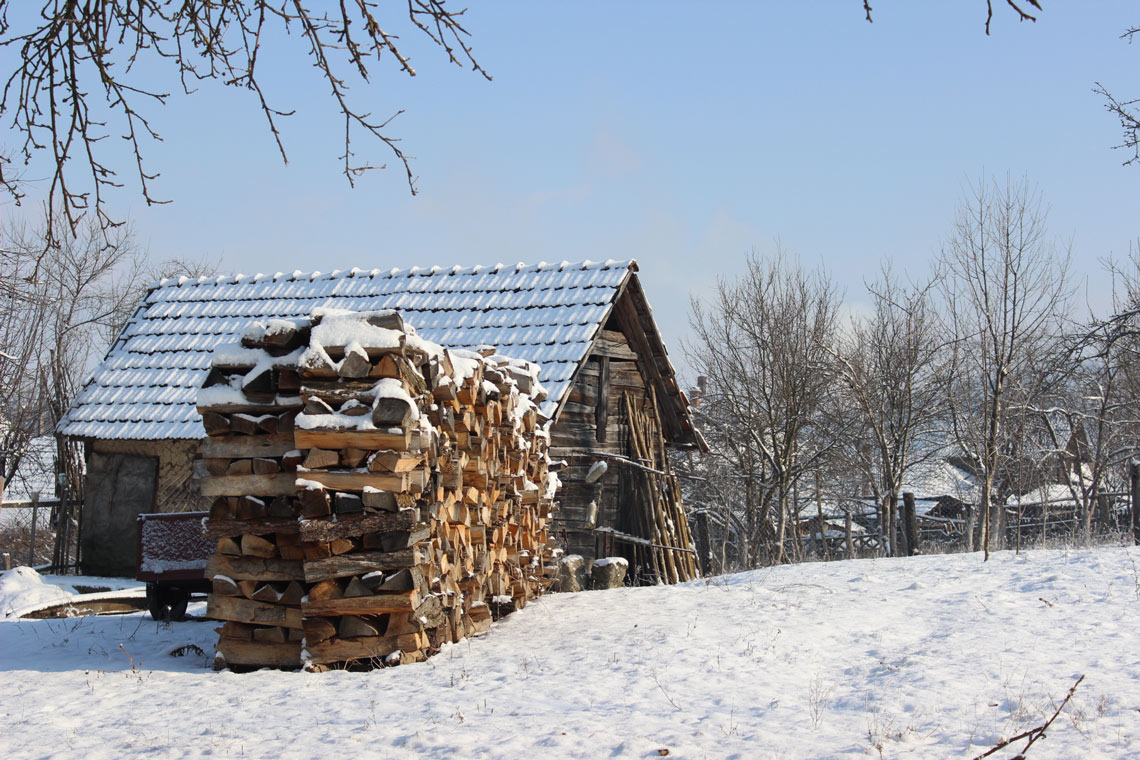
[363, 562]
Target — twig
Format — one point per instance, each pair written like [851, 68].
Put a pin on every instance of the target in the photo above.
[657, 681]
[1032, 734]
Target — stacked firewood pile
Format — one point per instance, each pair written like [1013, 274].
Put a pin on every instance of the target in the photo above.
[375, 496]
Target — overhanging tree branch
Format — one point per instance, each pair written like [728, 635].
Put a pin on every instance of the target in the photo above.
[77, 84]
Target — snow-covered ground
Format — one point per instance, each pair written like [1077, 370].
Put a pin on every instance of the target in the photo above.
[936, 656]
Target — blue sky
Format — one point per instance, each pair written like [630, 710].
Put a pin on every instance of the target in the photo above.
[682, 134]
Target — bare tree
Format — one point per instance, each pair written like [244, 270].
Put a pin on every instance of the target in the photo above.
[1127, 112]
[1018, 6]
[1093, 424]
[764, 343]
[84, 70]
[60, 305]
[893, 365]
[1006, 285]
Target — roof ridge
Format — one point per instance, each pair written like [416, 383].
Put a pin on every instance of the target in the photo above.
[414, 271]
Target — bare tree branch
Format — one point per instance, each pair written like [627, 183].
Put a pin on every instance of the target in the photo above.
[81, 79]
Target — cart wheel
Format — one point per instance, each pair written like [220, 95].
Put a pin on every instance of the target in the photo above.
[166, 602]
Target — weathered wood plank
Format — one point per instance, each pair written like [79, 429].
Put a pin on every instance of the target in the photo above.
[377, 604]
[601, 411]
[286, 655]
[350, 527]
[254, 568]
[358, 481]
[248, 611]
[276, 484]
[343, 650]
[373, 440]
[613, 344]
[359, 563]
[216, 529]
[247, 446]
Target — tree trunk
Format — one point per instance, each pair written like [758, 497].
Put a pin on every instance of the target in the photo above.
[781, 526]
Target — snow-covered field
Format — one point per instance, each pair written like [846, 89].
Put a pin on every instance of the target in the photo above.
[937, 656]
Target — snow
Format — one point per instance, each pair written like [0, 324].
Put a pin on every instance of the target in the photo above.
[334, 422]
[341, 327]
[22, 589]
[934, 656]
[389, 387]
[938, 477]
[1055, 494]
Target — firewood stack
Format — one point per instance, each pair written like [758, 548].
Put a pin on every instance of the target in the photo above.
[375, 495]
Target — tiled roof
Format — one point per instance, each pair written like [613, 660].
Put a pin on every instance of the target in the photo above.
[147, 385]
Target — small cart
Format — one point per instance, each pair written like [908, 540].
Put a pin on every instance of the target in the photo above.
[172, 556]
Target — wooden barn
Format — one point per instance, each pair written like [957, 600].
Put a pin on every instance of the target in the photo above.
[613, 398]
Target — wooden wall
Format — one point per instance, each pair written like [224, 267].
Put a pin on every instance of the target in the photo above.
[593, 420]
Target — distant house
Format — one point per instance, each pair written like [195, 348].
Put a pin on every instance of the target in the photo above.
[588, 325]
[943, 487]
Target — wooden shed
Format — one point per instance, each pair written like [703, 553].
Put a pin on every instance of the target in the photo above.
[613, 396]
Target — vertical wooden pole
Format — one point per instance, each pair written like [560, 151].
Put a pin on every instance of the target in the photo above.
[848, 537]
[32, 547]
[819, 512]
[910, 524]
[602, 404]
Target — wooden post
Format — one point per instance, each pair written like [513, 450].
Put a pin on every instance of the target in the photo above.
[910, 524]
[7, 559]
[819, 511]
[32, 547]
[848, 535]
[1104, 513]
[1134, 478]
[602, 403]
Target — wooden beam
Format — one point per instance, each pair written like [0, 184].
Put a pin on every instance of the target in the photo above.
[360, 563]
[350, 527]
[254, 568]
[276, 484]
[601, 408]
[357, 481]
[373, 440]
[247, 446]
[249, 611]
[377, 604]
[260, 654]
[216, 529]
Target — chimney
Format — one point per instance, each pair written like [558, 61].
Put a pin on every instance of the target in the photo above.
[702, 386]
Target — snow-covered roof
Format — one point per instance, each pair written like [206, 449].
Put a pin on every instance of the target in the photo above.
[145, 389]
[939, 477]
[1057, 494]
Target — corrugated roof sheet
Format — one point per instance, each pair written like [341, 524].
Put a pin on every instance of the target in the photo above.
[146, 387]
